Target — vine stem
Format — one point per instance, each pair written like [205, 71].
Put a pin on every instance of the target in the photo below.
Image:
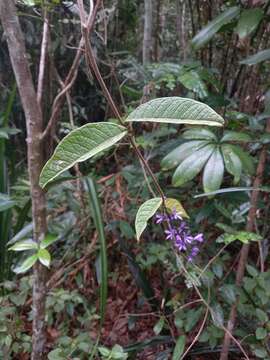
[92, 64]
[229, 334]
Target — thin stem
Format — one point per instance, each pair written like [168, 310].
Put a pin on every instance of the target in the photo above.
[43, 55]
[211, 311]
[92, 64]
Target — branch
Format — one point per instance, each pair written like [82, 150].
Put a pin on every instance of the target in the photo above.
[92, 64]
[71, 77]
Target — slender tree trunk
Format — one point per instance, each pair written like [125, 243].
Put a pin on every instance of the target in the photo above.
[180, 28]
[148, 30]
[157, 31]
[34, 124]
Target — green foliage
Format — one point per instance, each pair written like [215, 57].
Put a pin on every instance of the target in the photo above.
[213, 171]
[80, 145]
[179, 347]
[248, 22]
[116, 352]
[79, 275]
[203, 149]
[207, 33]
[5, 202]
[257, 58]
[96, 211]
[40, 252]
[243, 236]
[145, 212]
[174, 205]
[176, 110]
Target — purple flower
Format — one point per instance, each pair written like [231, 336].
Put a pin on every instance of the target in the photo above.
[170, 234]
[180, 233]
[199, 238]
[160, 218]
[175, 216]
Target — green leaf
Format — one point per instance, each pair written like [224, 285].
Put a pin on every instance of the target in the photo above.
[3, 134]
[232, 189]
[145, 212]
[26, 265]
[235, 136]
[265, 138]
[192, 318]
[192, 81]
[217, 315]
[199, 134]
[246, 160]
[56, 354]
[260, 353]
[104, 351]
[248, 22]
[173, 204]
[80, 145]
[261, 333]
[48, 240]
[244, 236]
[118, 353]
[213, 172]
[29, 2]
[180, 153]
[232, 163]
[176, 110]
[98, 221]
[44, 257]
[5, 202]
[192, 165]
[179, 348]
[257, 58]
[207, 33]
[261, 315]
[252, 271]
[24, 245]
[159, 326]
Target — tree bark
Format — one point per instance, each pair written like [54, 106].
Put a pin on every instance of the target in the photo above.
[180, 28]
[34, 125]
[148, 30]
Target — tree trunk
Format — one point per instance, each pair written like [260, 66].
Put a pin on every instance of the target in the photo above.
[180, 28]
[148, 29]
[34, 124]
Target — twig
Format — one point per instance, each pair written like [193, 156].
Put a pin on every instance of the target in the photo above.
[71, 77]
[212, 260]
[92, 64]
[211, 311]
[43, 54]
[200, 329]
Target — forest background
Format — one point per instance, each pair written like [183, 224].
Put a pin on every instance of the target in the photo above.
[90, 264]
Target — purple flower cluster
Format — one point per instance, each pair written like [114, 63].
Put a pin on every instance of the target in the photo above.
[179, 232]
